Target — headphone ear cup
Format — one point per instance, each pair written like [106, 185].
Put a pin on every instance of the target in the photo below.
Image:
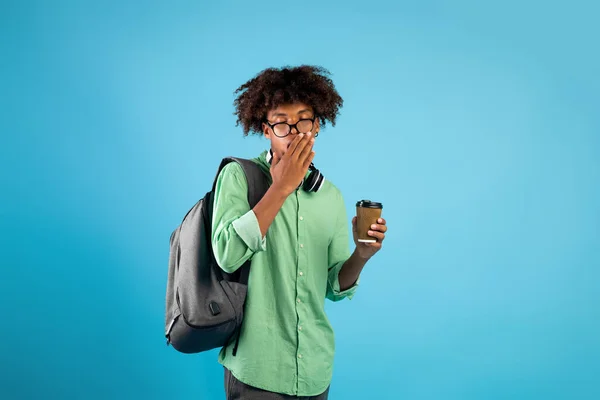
[309, 182]
[314, 181]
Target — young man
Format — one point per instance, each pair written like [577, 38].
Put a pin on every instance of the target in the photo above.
[297, 238]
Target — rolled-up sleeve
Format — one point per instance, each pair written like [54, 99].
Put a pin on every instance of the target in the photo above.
[338, 254]
[236, 235]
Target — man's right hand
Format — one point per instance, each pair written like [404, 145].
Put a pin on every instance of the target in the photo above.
[289, 170]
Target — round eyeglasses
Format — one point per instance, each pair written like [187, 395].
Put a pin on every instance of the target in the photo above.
[282, 129]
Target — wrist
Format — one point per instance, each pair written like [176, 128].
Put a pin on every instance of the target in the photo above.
[279, 191]
[361, 257]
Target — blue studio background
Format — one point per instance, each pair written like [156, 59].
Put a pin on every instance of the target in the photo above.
[477, 126]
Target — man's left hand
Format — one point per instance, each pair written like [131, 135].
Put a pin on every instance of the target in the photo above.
[377, 231]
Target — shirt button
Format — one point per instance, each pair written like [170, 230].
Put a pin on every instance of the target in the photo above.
[299, 355]
[301, 218]
[301, 246]
[298, 300]
[300, 328]
[301, 273]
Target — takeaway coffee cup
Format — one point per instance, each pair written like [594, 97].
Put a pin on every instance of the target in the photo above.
[367, 213]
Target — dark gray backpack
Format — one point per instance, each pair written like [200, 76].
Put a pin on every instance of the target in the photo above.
[204, 304]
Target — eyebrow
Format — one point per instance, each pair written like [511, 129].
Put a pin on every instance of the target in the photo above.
[285, 115]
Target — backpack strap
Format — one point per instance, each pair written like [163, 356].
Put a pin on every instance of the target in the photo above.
[258, 184]
[257, 187]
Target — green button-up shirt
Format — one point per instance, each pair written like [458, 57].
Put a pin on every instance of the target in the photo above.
[287, 342]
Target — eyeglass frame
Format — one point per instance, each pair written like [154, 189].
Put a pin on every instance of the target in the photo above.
[290, 126]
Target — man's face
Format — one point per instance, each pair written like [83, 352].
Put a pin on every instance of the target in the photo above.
[280, 134]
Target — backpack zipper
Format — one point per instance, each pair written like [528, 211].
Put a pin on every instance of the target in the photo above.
[168, 333]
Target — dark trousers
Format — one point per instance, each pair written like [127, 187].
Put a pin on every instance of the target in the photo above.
[237, 390]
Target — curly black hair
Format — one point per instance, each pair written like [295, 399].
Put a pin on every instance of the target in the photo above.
[273, 87]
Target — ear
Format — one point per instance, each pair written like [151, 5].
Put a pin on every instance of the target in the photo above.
[317, 126]
[266, 131]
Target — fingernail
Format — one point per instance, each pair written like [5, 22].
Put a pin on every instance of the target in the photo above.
[308, 134]
[370, 232]
[380, 220]
[373, 226]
